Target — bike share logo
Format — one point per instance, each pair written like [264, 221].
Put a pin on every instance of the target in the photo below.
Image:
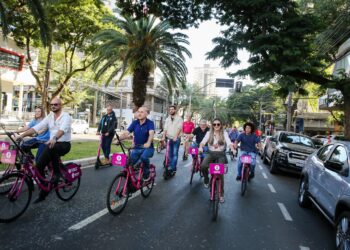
[118, 159]
[4, 145]
[217, 168]
[8, 155]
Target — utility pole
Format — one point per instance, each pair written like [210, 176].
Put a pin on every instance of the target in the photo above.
[120, 110]
[289, 111]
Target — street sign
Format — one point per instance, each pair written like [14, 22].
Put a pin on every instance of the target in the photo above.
[11, 60]
[224, 83]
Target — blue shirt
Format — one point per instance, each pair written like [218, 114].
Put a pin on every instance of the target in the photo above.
[248, 142]
[42, 137]
[141, 132]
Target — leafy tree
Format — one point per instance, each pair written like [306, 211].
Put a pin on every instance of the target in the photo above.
[138, 48]
[74, 23]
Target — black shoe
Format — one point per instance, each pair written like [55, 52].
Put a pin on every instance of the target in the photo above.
[238, 178]
[146, 178]
[42, 197]
[56, 179]
[251, 176]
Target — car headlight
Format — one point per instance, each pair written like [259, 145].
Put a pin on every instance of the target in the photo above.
[283, 152]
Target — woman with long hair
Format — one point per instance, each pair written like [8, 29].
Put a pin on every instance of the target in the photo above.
[218, 140]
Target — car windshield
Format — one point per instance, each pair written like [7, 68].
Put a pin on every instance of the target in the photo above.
[297, 139]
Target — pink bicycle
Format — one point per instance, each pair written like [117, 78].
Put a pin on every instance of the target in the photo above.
[246, 161]
[216, 170]
[16, 187]
[128, 181]
[196, 163]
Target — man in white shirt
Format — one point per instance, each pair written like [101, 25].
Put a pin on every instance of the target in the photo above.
[172, 131]
[59, 125]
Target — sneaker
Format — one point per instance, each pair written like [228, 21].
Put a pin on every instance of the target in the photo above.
[238, 178]
[222, 199]
[251, 176]
[55, 180]
[206, 183]
[146, 179]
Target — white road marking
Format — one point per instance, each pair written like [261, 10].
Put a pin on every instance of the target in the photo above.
[96, 216]
[304, 248]
[261, 168]
[188, 164]
[284, 211]
[272, 189]
[265, 176]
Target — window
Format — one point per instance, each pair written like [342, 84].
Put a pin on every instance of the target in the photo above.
[339, 155]
[323, 152]
[297, 139]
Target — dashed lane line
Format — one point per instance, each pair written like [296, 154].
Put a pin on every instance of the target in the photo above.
[304, 248]
[265, 176]
[261, 168]
[284, 211]
[272, 189]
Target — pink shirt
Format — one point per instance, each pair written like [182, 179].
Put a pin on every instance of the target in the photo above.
[187, 127]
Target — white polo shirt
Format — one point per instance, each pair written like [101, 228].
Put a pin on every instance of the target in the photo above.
[63, 122]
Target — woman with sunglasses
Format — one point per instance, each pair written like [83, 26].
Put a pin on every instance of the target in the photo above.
[218, 140]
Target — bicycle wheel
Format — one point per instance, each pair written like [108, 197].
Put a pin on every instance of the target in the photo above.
[244, 180]
[116, 200]
[69, 189]
[215, 202]
[15, 196]
[147, 188]
[194, 162]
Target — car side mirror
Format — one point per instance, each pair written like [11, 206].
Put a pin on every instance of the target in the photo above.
[334, 165]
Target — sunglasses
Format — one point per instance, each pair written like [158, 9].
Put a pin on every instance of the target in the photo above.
[216, 124]
[54, 104]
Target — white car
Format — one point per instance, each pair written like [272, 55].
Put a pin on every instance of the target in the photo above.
[80, 126]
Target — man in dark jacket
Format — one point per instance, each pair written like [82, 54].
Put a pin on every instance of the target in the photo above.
[106, 129]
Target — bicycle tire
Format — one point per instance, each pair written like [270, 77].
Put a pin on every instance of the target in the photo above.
[119, 180]
[215, 202]
[8, 195]
[68, 187]
[193, 169]
[244, 181]
[148, 188]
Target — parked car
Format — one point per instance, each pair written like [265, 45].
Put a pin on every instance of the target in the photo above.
[11, 122]
[263, 143]
[325, 182]
[80, 126]
[287, 151]
[326, 139]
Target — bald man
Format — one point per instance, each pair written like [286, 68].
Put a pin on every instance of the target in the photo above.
[143, 130]
[59, 125]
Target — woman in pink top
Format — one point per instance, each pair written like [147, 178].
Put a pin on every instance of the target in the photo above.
[187, 129]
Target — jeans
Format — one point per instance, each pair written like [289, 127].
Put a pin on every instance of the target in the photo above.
[106, 145]
[240, 165]
[26, 146]
[173, 153]
[143, 154]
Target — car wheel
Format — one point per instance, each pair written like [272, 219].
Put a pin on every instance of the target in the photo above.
[303, 196]
[273, 164]
[342, 231]
[264, 157]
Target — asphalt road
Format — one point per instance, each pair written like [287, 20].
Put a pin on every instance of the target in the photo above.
[175, 216]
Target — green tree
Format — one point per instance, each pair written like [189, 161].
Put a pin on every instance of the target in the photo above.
[138, 48]
[69, 53]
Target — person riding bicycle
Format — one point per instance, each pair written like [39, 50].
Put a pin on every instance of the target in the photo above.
[199, 134]
[172, 131]
[106, 128]
[38, 141]
[143, 130]
[59, 125]
[249, 145]
[218, 140]
[233, 134]
[187, 129]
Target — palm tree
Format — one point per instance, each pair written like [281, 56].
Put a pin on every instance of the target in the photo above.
[37, 9]
[138, 47]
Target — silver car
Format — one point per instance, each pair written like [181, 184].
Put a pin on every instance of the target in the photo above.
[325, 182]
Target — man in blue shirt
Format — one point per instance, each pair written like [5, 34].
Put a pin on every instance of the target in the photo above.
[143, 130]
[249, 146]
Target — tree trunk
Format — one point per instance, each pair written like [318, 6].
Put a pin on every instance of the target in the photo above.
[346, 94]
[139, 87]
[45, 92]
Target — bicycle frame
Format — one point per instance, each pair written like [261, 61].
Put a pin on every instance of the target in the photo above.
[214, 178]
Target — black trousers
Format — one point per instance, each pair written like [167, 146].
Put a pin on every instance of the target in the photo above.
[52, 155]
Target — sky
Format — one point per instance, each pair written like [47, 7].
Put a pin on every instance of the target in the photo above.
[201, 42]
